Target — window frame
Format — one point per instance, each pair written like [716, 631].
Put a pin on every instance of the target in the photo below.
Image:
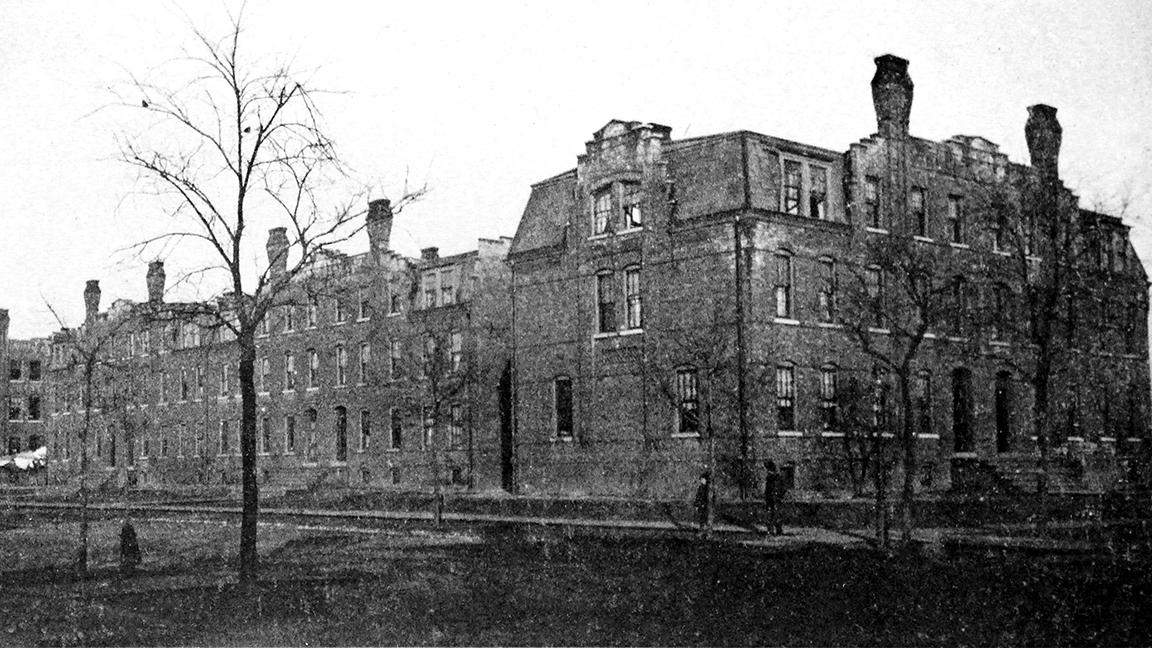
[633, 300]
[786, 397]
[605, 302]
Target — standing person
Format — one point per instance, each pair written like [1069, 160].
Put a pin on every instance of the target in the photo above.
[703, 500]
[773, 491]
[129, 549]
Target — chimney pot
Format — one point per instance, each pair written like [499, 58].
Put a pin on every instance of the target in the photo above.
[1044, 135]
[277, 250]
[379, 224]
[892, 95]
[155, 279]
[430, 253]
[91, 299]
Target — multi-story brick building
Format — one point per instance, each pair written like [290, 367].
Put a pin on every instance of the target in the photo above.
[26, 361]
[677, 307]
[372, 369]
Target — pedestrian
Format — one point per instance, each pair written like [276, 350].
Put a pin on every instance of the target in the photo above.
[129, 549]
[703, 500]
[773, 492]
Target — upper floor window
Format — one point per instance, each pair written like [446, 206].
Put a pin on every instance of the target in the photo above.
[430, 289]
[265, 324]
[394, 359]
[687, 401]
[289, 372]
[447, 286]
[289, 318]
[265, 373]
[363, 307]
[313, 369]
[918, 210]
[632, 298]
[365, 357]
[792, 187]
[872, 202]
[341, 365]
[313, 313]
[827, 295]
[34, 373]
[601, 210]
[456, 342]
[922, 402]
[633, 213]
[785, 397]
[605, 303]
[1003, 310]
[15, 370]
[783, 284]
[1121, 258]
[874, 284]
[956, 219]
[341, 310]
[396, 429]
[225, 387]
[818, 193]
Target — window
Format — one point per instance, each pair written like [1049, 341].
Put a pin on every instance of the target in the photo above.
[428, 361]
[394, 305]
[289, 372]
[829, 391]
[429, 429]
[785, 397]
[874, 283]
[13, 444]
[1131, 328]
[562, 389]
[632, 302]
[457, 345]
[792, 180]
[222, 448]
[34, 370]
[959, 303]
[688, 401]
[341, 365]
[1002, 314]
[827, 297]
[313, 369]
[394, 359]
[956, 219]
[1121, 252]
[601, 210]
[340, 312]
[341, 434]
[289, 318]
[922, 402]
[363, 307]
[365, 356]
[265, 373]
[447, 286]
[200, 382]
[396, 429]
[881, 408]
[184, 387]
[455, 427]
[365, 429]
[783, 284]
[430, 290]
[14, 413]
[633, 216]
[1002, 405]
[961, 410]
[818, 193]
[310, 448]
[605, 303]
[225, 387]
[919, 214]
[163, 388]
[313, 313]
[146, 344]
[289, 434]
[33, 408]
[265, 435]
[14, 370]
[872, 202]
[265, 324]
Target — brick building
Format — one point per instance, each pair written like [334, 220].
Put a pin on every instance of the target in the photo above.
[25, 397]
[680, 306]
[374, 369]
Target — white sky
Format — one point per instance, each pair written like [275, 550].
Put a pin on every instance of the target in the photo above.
[480, 100]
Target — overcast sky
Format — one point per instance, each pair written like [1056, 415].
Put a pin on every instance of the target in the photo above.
[479, 100]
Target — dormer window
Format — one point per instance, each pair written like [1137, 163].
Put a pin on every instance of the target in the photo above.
[601, 210]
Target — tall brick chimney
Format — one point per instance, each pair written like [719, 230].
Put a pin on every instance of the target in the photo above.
[155, 280]
[277, 249]
[379, 224]
[1044, 135]
[892, 95]
[91, 299]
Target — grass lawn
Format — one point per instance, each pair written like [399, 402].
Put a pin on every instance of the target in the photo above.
[328, 586]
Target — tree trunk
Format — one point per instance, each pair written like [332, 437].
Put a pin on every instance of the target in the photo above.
[880, 483]
[908, 443]
[250, 507]
[82, 557]
[1043, 437]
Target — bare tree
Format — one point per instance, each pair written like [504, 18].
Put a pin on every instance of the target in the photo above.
[228, 143]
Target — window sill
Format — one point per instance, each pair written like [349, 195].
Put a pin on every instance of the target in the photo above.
[363, 319]
[392, 449]
[563, 439]
[1107, 439]
[599, 237]
[923, 239]
[1000, 343]
[832, 435]
[686, 435]
[953, 338]
[789, 433]
[344, 386]
[829, 325]
[787, 321]
[879, 331]
[1003, 253]
[930, 435]
[963, 455]
[960, 246]
[396, 314]
[928, 335]
[876, 230]
[635, 331]
[312, 389]
[605, 334]
[630, 230]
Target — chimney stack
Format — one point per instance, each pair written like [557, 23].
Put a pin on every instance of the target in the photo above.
[91, 299]
[430, 253]
[277, 249]
[892, 95]
[379, 224]
[155, 280]
[1044, 135]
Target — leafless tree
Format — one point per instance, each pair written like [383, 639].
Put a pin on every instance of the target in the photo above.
[226, 143]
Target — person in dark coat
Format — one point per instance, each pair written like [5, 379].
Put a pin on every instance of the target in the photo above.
[773, 493]
[703, 500]
[129, 549]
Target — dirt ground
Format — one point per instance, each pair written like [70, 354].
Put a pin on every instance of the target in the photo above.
[324, 585]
